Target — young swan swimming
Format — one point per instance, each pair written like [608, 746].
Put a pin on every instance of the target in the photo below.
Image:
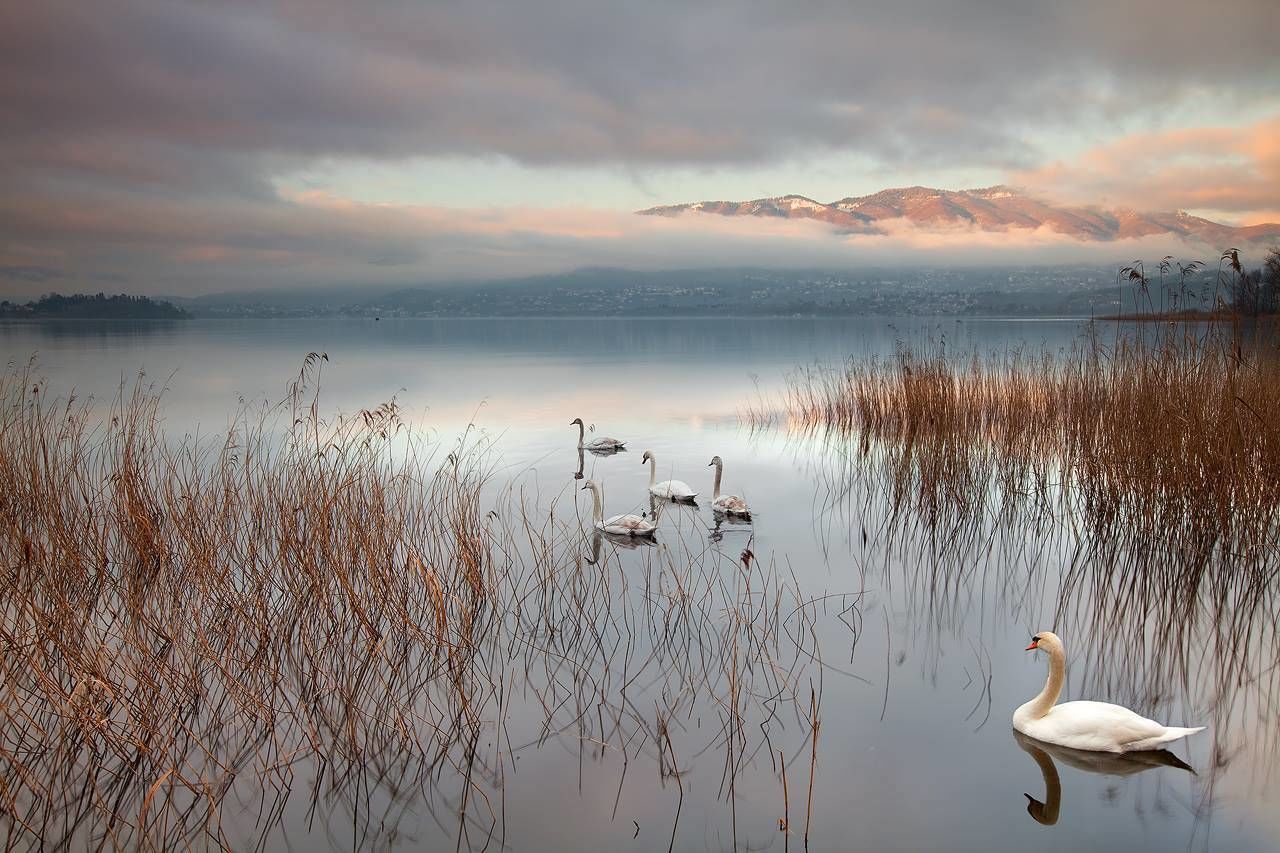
[727, 504]
[1093, 726]
[596, 445]
[618, 525]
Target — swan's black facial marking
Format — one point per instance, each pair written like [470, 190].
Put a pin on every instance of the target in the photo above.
[1035, 639]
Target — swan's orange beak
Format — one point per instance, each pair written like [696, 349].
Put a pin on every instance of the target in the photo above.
[1034, 645]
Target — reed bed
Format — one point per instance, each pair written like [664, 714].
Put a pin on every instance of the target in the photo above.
[1175, 435]
[1125, 496]
[198, 634]
[167, 606]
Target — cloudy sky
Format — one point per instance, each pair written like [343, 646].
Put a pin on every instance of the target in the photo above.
[188, 147]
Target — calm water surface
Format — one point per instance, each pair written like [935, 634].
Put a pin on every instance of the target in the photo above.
[907, 635]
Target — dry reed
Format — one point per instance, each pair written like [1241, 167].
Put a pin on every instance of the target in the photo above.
[319, 608]
[1132, 490]
[1177, 437]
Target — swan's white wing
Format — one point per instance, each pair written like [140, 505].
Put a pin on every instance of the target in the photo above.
[673, 489]
[1096, 726]
[603, 442]
[604, 451]
[633, 524]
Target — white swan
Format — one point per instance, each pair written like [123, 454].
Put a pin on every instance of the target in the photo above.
[619, 525]
[595, 445]
[672, 490]
[727, 504]
[1091, 726]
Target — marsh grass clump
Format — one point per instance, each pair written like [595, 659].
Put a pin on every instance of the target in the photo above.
[1125, 494]
[1175, 435]
[174, 611]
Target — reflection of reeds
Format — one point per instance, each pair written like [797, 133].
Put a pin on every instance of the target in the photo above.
[167, 604]
[1177, 437]
[194, 632]
[1127, 497]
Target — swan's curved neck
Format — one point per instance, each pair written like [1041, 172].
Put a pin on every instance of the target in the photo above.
[653, 470]
[715, 491]
[597, 507]
[582, 433]
[1048, 697]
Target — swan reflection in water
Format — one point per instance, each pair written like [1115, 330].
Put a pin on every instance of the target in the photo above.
[631, 543]
[730, 524]
[1105, 763]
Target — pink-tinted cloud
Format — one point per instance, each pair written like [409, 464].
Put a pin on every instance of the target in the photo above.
[1212, 169]
[317, 239]
[141, 140]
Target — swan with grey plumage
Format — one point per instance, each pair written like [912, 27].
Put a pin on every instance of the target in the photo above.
[618, 525]
[603, 444]
[727, 504]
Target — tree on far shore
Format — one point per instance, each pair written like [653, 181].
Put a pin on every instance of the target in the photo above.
[94, 307]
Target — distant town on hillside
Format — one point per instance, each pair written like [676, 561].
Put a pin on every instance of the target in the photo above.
[1032, 291]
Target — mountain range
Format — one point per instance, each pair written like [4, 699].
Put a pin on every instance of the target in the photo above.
[998, 208]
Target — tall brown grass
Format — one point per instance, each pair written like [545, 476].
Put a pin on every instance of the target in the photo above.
[1134, 488]
[167, 604]
[1176, 436]
[198, 633]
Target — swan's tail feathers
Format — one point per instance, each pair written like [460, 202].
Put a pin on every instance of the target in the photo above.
[1169, 735]
[1172, 733]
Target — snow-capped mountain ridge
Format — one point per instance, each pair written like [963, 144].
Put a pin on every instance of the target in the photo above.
[995, 208]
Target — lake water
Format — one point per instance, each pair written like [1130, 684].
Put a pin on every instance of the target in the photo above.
[904, 636]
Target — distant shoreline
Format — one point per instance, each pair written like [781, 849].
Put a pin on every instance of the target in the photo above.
[54, 318]
[1186, 317]
[84, 306]
[218, 318]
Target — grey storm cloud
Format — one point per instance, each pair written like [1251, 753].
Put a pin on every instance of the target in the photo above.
[118, 105]
[598, 82]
